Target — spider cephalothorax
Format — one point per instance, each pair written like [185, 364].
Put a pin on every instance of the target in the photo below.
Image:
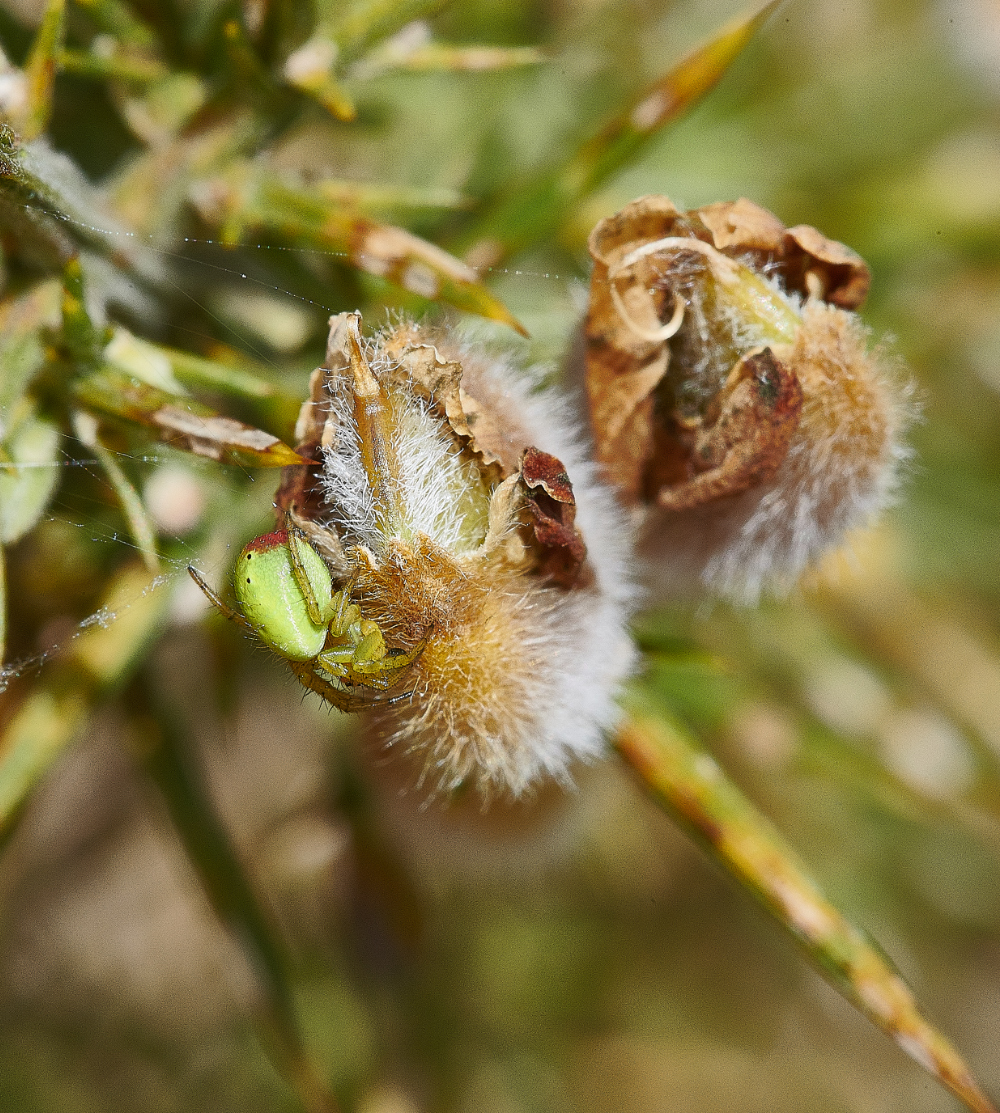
[286, 594]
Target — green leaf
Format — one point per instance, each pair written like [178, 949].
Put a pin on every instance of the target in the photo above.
[40, 70]
[118, 19]
[356, 27]
[194, 370]
[535, 209]
[663, 102]
[84, 342]
[116, 67]
[139, 523]
[135, 384]
[251, 198]
[377, 199]
[3, 606]
[28, 476]
[181, 421]
[686, 780]
[426, 56]
[312, 68]
[22, 352]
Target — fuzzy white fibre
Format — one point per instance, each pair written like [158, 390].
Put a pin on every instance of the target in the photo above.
[434, 477]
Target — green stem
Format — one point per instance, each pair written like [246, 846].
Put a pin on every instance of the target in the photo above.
[164, 751]
[686, 780]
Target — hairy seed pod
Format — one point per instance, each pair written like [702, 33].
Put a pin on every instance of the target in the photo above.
[459, 507]
[734, 397]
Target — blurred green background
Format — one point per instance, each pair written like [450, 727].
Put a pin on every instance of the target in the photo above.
[578, 953]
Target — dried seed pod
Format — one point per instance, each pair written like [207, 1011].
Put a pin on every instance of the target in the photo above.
[460, 507]
[734, 397]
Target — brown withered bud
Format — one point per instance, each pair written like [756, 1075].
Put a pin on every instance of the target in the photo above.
[454, 503]
[733, 396]
[744, 436]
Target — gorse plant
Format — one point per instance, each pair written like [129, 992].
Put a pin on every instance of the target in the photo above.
[504, 576]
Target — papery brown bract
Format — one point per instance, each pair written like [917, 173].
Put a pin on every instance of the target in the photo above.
[742, 439]
[734, 398]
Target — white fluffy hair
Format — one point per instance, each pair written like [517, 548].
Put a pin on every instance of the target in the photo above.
[433, 468]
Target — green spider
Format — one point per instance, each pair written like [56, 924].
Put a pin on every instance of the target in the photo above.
[286, 594]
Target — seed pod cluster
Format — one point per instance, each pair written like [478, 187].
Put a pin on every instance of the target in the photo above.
[481, 572]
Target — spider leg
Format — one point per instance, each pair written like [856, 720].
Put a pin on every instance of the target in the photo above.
[345, 613]
[378, 671]
[394, 659]
[395, 699]
[295, 541]
[233, 616]
[326, 542]
[343, 668]
[343, 701]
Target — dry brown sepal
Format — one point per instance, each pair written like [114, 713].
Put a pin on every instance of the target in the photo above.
[744, 436]
[465, 516]
[536, 501]
[804, 260]
[553, 517]
[733, 397]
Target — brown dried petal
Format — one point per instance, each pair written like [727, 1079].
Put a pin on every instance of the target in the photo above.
[744, 438]
[803, 258]
[845, 275]
[541, 469]
[742, 225]
[553, 514]
[525, 478]
[441, 380]
[639, 447]
[623, 369]
[301, 490]
[486, 437]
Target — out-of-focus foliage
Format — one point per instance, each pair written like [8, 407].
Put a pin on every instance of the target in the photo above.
[574, 953]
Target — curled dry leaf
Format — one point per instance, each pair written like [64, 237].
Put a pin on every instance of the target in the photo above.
[465, 517]
[733, 397]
